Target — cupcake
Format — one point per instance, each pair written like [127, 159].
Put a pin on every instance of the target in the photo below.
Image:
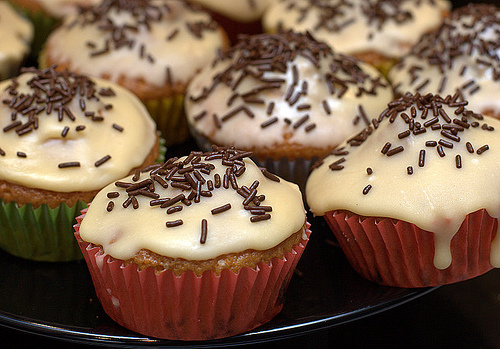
[65, 136]
[151, 47]
[286, 97]
[17, 33]
[414, 202]
[462, 56]
[46, 15]
[241, 17]
[378, 32]
[196, 248]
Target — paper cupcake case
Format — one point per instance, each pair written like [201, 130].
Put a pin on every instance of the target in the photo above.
[293, 170]
[397, 253]
[40, 234]
[188, 307]
[170, 118]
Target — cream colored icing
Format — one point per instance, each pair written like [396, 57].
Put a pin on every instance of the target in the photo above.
[62, 8]
[486, 28]
[184, 54]
[239, 10]
[246, 132]
[46, 148]
[352, 31]
[124, 231]
[17, 33]
[436, 197]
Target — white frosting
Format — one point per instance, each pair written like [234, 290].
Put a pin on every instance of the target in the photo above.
[17, 33]
[351, 31]
[484, 94]
[184, 54]
[436, 197]
[124, 231]
[239, 10]
[46, 148]
[62, 8]
[246, 132]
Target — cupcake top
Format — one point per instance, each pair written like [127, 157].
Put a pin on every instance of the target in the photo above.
[66, 132]
[427, 160]
[388, 27]
[462, 55]
[156, 42]
[239, 10]
[275, 89]
[197, 207]
[17, 33]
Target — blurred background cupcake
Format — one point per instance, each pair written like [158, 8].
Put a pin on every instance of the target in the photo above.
[17, 34]
[378, 32]
[65, 136]
[205, 250]
[287, 98]
[416, 204]
[47, 15]
[462, 56]
[151, 47]
[237, 17]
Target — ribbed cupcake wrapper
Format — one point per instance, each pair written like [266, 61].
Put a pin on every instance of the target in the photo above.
[398, 253]
[41, 234]
[170, 118]
[293, 170]
[188, 307]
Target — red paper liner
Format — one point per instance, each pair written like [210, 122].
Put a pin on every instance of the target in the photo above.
[188, 307]
[397, 253]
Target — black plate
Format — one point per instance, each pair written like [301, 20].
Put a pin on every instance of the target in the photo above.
[58, 299]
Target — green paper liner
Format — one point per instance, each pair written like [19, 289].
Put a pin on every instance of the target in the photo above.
[41, 234]
[170, 118]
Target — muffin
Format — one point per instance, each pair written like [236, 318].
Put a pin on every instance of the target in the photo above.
[196, 248]
[46, 15]
[151, 47]
[415, 203]
[378, 32]
[65, 136]
[241, 17]
[462, 55]
[286, 97]
[17, 33]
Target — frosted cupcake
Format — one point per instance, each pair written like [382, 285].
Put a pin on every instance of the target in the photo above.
[286, 97]
[17, 34]
[462, 55]
[196, 248]
[151, 47]
[65, 136]
[415, 203]
[378, 32]
[241, 17]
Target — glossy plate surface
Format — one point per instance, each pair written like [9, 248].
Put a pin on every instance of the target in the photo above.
[58, 299]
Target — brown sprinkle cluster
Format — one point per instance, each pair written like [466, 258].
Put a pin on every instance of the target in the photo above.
[195, 182]
[424, 116]
[332, 17]
[52, 92]
[461, 35]
[144, 15]
[256, 57]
